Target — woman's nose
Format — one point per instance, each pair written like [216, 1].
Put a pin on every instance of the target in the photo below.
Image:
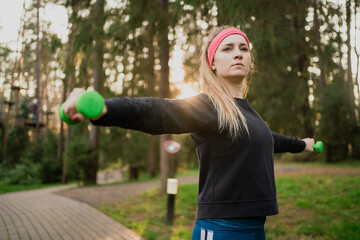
[237, 53]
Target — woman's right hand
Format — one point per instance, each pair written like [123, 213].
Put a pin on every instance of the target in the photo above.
[70, 106]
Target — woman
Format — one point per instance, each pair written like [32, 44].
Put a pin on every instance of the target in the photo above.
[234, 145]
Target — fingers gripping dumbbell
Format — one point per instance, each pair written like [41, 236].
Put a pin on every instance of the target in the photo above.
[89, 103]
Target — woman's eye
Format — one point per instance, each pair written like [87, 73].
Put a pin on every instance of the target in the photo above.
[244, 49]
[226, 49]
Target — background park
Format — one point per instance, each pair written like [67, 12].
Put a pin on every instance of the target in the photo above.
[306, 84]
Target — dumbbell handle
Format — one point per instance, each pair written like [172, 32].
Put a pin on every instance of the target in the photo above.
[90, 104]
[318, 146]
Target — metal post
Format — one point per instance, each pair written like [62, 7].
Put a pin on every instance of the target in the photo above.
[170, 209]
[171, 191]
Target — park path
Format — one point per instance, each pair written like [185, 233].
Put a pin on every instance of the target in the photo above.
[98, 195]
[44, 215]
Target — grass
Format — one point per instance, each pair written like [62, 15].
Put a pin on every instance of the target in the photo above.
[16, 188]
[344, 164]
[316, 207]
[146, 214]
[311, 207]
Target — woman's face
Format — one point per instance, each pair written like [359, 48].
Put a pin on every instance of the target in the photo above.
[232, 59]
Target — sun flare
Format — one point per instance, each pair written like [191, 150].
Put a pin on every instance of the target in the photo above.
[186, 90]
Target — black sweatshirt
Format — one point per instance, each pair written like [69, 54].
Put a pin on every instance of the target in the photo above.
[236, 177]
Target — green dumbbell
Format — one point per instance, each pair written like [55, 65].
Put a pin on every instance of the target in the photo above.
[318, 147]
[90, 104]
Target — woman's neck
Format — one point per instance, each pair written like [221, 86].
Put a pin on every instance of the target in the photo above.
[235, 88]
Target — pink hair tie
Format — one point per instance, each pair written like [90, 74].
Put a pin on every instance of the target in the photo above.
[219, 38]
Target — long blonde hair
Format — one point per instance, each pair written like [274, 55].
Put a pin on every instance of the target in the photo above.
[214, 87]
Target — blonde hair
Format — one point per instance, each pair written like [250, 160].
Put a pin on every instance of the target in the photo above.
[214, 87]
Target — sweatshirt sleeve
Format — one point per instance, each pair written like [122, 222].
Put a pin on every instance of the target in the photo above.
[287, 144]
[159, 116]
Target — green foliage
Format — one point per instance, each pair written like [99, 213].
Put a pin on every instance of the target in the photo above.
[44, 154]
[336, 112]
[34, 162]
[78, 154]
[50, 169]
[18, 145]
[136, 148]
[23, 173]
[111, 145]
[17, 187]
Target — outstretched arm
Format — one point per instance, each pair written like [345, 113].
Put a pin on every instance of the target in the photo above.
[158, 116]
[284, 143]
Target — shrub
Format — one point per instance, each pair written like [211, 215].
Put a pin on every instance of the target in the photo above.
[23, 174]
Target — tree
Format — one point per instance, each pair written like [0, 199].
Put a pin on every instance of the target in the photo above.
[69, 80]
[37, 70]
[8, 115]
[98, 21]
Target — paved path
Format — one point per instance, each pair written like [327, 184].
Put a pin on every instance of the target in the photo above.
[43, 215]
[98, 195]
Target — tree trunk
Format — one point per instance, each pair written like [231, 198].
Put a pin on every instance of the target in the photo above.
[223, 15]
[302, 65]
[153, 156]
[322, 85]
[65, 162]
[8, 115]
[69, 80]
[98, 73]
[38, 73]
[319, 49]
[21, 64]
[354, 144]
[164, 86]
[349, 70]
[150, 79]
[44, 91]
[357, 60]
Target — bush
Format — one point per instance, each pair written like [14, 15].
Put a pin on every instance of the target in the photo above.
[78, 156]
[18, 142]
[50, 169]
[23, 174]
[35, 163]
[3, 172]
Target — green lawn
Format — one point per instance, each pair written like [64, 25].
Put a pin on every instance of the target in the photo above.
[311, 207]
[16, 188]
[316, 207]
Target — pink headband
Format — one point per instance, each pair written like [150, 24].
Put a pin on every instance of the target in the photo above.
[219, 38]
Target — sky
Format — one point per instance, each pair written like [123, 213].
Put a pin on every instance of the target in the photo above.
[10, 15]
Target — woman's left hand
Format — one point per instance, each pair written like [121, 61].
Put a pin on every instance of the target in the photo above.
[309, 145]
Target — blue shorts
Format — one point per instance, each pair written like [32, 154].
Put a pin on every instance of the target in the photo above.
[229, 229]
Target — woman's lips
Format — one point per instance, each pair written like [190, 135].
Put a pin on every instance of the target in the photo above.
[238, 64]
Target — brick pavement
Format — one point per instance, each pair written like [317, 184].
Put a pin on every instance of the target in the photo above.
[42, 215]
[98, 195]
